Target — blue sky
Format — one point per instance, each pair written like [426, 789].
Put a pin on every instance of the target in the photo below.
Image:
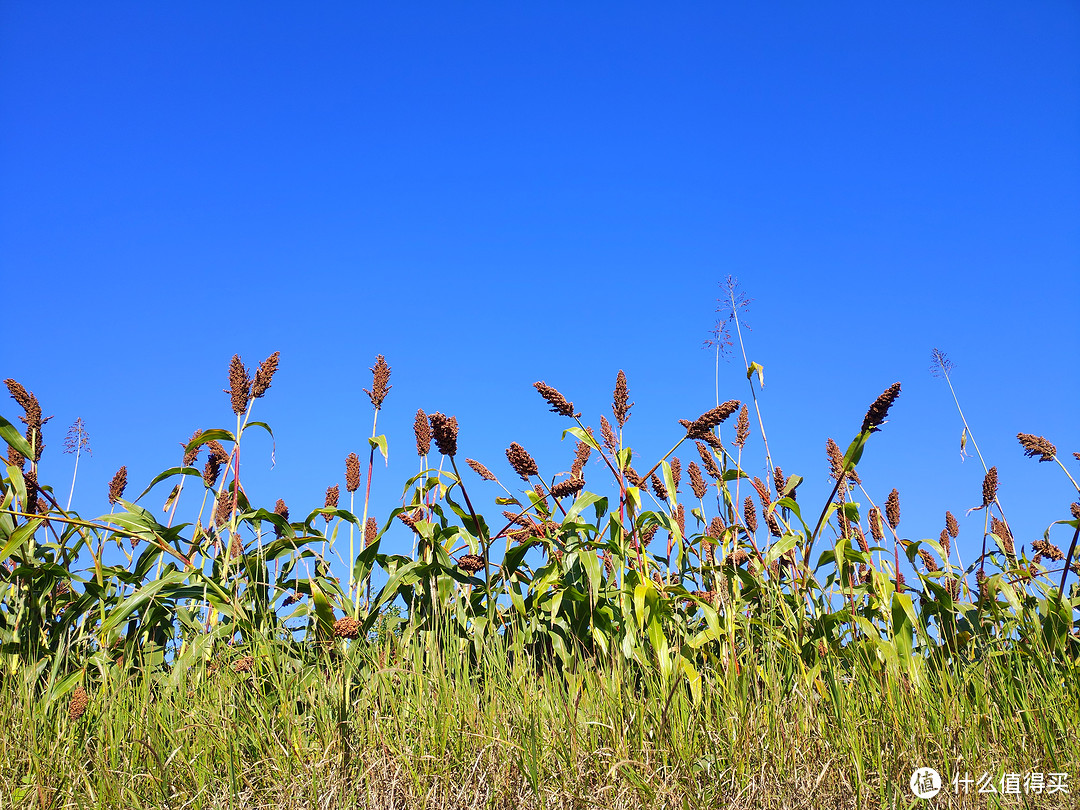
[494, 194]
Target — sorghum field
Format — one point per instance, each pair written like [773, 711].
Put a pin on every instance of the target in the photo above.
[684, 635]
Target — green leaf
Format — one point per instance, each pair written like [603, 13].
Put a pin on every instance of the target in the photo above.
[169, 473]
[379, 442]
[12, 436]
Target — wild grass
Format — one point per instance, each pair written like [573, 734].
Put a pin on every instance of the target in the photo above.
[610, 640]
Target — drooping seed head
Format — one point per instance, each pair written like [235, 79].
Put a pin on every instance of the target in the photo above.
[703, 425]
[1037, 446]
[556, 400]
[621, 404]
[570, 486]
[697, 483]
[445, 430]
[423, 433]
[1048, 549]
[481, 470]
[709, 461]
[892, 509]
[352, 472]
[265, 375]
[990, 486]
[738, 557]
[117, 485]
[742, 427]
[951, 526]
[773, 524]
[239, 389]
[524, 464]
[471, 563]
[875, 417]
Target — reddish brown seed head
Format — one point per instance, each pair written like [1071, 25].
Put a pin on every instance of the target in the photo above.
[239, 389]
[117, 485]
[380, 386]
[608, 435]
[703, 425]
[352, 472]
[676, 471]
[1037, 446]
[347, 627]
[371, 531]
[480, 469]
[332, 494]
[281, 510]
[750, 514]
[570, 486]
[892, 508]
[990, 486]
[658, 487]
[877, 528]
[78, 703]
[742, 427]
[445, 430]
[423, 433]
[875, 417]
[951, 526]
[265, 375]
[697, 483]
[621, 404]
[471, 563]
[520, 460]
[556, 400]
[191, 455]
[708, 461]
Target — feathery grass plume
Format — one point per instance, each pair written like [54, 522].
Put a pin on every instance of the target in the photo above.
[379, 388]
[352, 472]
[703, 425]
[875, 417]
[471, 563]
[556, 400]
[676, 471]
[750, 514]
[332, 494]
[708, 461]
[892, 509]
[697, 483]
[1037, 446]
[582, 451]
[621, 405]
[347, 627]
[423, 433]
[481, 470]
[946, 542]
[524, 464]
[1001, 529]
[632, 478]
[191, 455]
[265, 375]
[990, 487]
[1048, 549]
[571, 486]
[658, 487]
[244, 665]
[742, 427]
[928, 560]
[680, 519]
[860, 538]
[239, 389]
[280, 509]
[877, 528]
[940, 364]
[15, 458]
[445, 430]
[78, 703]
[117, 485]
[608, 435]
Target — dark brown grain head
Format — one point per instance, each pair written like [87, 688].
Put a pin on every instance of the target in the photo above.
[742, 427]
[408, 520]
[951, 526]
[945, 542]
[556, 400]
[709, 461]
[621, 403]
[608, 435]
[282, 510]
[211, 471]
[875, 417]
[352, 472]
[697, 483]
[570, 486]
[1048, 549]
[773, 524]
[15, 458]
[332, 495]
[347, 627]
[480, 469]
[1037, 446]
[265, 375]
[471, 563]
[582, 451]
[750, 514]
[191, 455]
[243, 665]
[648, 534]
[1001, 529]
[371, 531]
[523, 464]
[632, 478]
[445, 430]
[877, 528]
[380, 386]
[836, 459]
[1074, 508]
[860, 538]
[658, 487]
[676, 471]
[222, 510]
[892, 509]
[990, 487]
[77, 703]
[762, 491]
[423, 433]
[716, 528]
[239, 389]
[928, 560]
[737, 557]
[117, 485]
[703, 425]
[680, 519]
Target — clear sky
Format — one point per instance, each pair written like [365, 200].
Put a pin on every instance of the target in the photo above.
[491, 194]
